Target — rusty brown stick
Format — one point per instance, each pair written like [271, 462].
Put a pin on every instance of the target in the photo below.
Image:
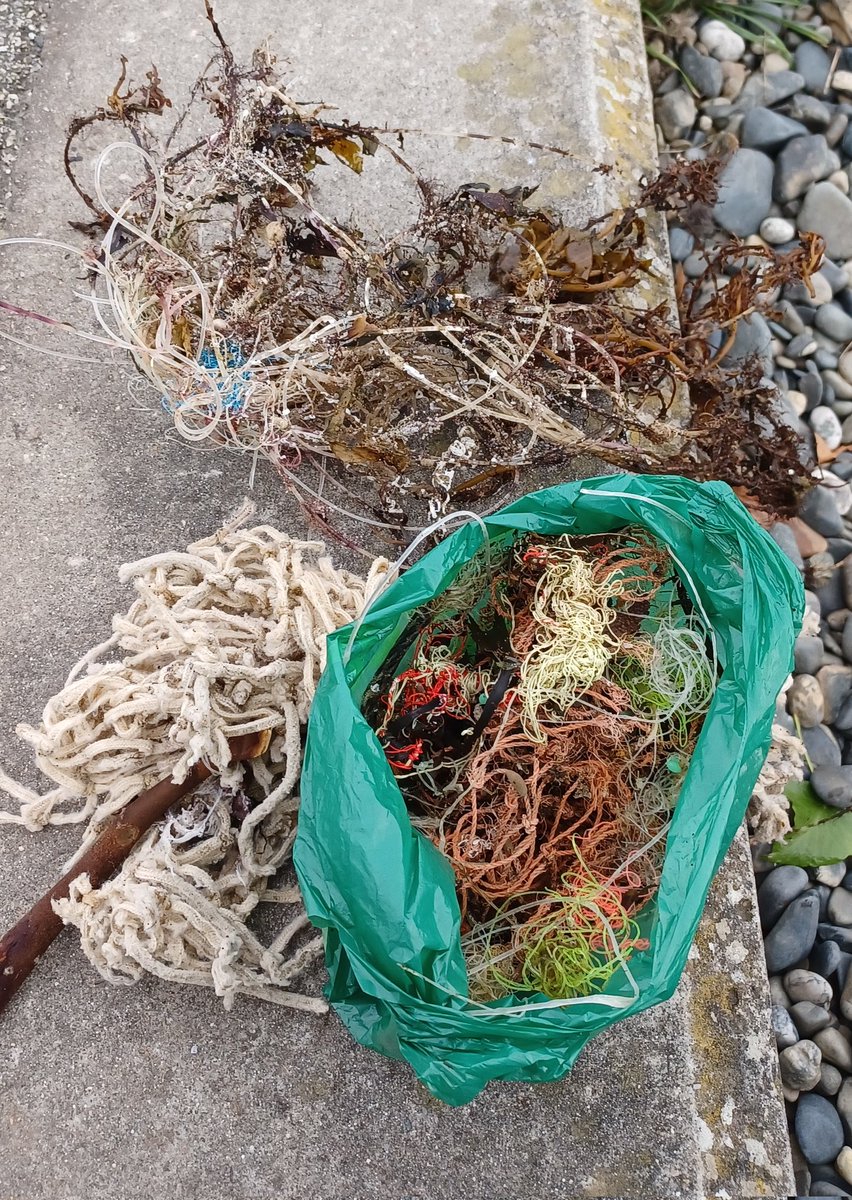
[26, 941]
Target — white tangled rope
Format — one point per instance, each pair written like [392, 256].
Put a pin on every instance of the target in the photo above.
[225, 638]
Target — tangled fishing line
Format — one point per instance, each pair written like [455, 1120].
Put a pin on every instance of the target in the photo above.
[539, 718]
[392, 376]
[224, 638]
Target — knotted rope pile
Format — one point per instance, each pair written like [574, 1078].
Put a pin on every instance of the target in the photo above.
[225, 638]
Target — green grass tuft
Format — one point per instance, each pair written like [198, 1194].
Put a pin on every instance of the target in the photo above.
[754, 24]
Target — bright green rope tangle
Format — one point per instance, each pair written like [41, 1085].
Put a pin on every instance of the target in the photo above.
[669, 678]
[571, 946]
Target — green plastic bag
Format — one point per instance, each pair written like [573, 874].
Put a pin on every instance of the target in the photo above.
[385, 896]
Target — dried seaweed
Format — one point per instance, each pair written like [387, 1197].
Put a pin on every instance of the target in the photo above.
[384, 375]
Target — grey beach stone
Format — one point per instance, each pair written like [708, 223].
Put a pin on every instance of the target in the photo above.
[791, 938]
[745, 192]
[826, 211]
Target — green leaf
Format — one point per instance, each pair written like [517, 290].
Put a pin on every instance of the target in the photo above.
[816, 845]
[808, 809]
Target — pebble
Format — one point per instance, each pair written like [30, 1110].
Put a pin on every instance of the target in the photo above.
[818, 508]
[805, 343]
[703, 71]
[800, 294]
[771, 89]
[789, 317]
[814, 114]
[825, 958]
[824, 421]
[777, 890]
[694, 265]
[808, 540]
[834, 933]
[734, 76]
[781, 1024]
[834, 322]
[765, 129]
[844, 1164]
[840, 907]
[826, 211]
[837, 128]
[812, 385]
[822, 746]
[833, 785]
[842, 81]
[753, 336]
[792, 937]
[830, 596]
[807, 985]
[846, 998]
[822, 894]
[819, 1131]
[842, 498]
[808, 1018]
[745, 193]
[777, 995]
[681, 243]
[841, 387]
[844, 1104]
[839, 179]
[830, 1080]
[808, 654]
[803, 161]
[846, 577]
[813, 64]
[721, 41]
[836, 683]
[800, 1065]
[831, 874]
[835, 275]
[835, 1048]
[675, 114]
[785, 539]
[805, 700]
[827, 1183]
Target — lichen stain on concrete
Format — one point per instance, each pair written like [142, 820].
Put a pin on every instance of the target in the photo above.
[736, 952]
[620, 81]
[511, 90]
[705, 1136]
[757, 1152]
[515, 61]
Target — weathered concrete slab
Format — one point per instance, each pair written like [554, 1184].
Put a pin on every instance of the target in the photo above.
[155, 1091]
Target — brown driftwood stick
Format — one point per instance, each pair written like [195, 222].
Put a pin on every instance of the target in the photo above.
[24, 944]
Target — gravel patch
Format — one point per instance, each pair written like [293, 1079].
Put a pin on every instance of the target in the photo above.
[785, 131]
